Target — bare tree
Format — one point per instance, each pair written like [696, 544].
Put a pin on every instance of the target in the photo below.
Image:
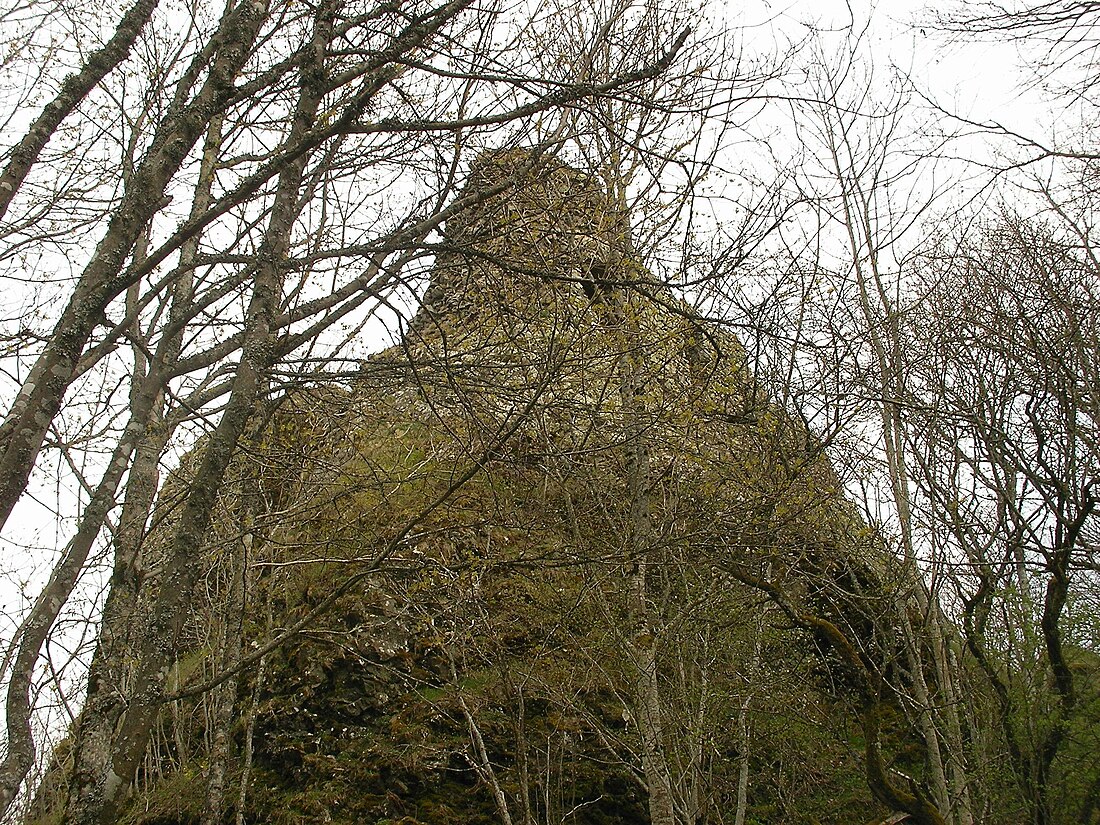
[73, 90]
[312, 122]
[1056, 34]
[1009, 466]
[826, 328]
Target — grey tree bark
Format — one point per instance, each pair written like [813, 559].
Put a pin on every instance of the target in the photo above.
[640, 544]
[99, 801]
[230, 643]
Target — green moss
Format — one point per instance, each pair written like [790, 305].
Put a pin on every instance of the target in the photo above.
[520, 583]
[177, 799]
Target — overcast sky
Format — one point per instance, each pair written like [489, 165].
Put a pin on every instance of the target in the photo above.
[977, 79]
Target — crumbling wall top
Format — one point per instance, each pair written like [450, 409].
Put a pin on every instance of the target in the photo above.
[538, 214]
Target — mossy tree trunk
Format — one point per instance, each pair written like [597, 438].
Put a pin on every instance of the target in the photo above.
[99, 801]
[41, 395]
[131, 584]
[868, 693]
[641, 548]
[230, 629]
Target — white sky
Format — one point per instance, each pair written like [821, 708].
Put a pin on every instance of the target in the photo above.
[977, 79]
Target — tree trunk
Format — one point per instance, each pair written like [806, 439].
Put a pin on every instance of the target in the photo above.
[643, 640]
[743, 726]
[158, 648]
[111, 671]
[249, 731]
[35, 628]
[232, 640]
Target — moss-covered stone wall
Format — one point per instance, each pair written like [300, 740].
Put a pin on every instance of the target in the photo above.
[479, 487]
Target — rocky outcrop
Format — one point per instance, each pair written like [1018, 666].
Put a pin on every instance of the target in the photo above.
[508, 545]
